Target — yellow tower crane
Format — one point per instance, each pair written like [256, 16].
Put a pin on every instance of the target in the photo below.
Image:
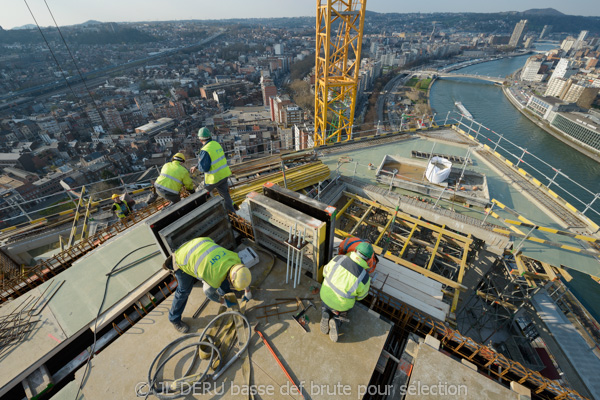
[340, 26]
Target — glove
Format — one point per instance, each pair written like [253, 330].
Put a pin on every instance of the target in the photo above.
[191, 191]
[229, 304]
[247, 296]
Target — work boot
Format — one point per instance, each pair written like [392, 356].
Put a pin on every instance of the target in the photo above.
[181, 327]
[324, 322]
[333, 330]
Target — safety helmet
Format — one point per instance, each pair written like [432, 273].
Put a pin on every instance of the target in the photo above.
[179, 157]
[204, 133]
[115, 196]
[240, 277]
[365, 250]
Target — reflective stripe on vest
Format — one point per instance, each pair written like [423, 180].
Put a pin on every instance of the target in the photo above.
[350, 243]
[166, 189]
[120, 211]
[203, 256]
[219, 169]
[189, 254]
[172, 178]
[348, 294]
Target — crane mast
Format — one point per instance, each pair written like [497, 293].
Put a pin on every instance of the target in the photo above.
[340, 26]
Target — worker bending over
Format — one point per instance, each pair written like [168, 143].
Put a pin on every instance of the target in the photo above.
[350, 243]
[345, 280]
[120, 207]
[173, 176]
[219, 269]
[212, 161]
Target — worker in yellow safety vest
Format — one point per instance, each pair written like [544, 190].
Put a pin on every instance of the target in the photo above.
[121, 208]
[213, 163]
[173, 176]
[220, 270]
[345, 280]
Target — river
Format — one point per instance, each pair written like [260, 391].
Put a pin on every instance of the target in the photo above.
[490, 107]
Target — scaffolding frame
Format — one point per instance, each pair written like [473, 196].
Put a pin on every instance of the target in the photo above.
[424, 247]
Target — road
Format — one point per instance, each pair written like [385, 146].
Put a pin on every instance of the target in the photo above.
[383, 101]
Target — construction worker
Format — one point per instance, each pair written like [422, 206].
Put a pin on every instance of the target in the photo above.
[212, 161]
[345, 280]
[173, 176]
[350, 243]
[219, 269]
[120, 207]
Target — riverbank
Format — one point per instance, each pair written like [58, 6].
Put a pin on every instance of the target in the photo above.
[546, 126]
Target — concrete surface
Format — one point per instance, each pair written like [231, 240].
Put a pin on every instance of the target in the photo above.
[327, 369]
[435, 375]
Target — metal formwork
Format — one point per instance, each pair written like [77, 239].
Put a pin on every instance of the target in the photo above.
[272, 221]
[496, 365]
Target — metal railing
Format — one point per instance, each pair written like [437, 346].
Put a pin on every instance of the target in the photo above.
[497, 142]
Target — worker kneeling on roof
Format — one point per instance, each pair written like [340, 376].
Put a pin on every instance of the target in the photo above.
[219, 269]
[350, 244]
[345, 280]
[173, 176]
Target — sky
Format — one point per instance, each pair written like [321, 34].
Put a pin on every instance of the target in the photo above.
[68, 12]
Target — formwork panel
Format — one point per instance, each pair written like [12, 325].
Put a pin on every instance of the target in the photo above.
[272, 221]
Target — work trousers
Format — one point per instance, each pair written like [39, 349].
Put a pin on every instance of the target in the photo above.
[172, 197]
[185, 283]
[223, 188]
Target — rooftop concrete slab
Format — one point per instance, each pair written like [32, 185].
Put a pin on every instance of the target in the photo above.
[324, 367]
[436, 375]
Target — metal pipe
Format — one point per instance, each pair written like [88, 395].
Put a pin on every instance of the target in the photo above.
[298, 266]
[287, 269]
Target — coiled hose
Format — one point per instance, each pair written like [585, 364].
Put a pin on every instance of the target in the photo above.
[175, 389]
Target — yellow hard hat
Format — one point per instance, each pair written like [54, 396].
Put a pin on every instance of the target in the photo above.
[240, 277]
[115, 196]
[179, 157]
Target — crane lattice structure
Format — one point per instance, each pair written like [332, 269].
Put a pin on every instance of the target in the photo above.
[339, 41]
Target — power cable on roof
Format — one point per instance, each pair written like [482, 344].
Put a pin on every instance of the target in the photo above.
[76, 66]
[92, 350]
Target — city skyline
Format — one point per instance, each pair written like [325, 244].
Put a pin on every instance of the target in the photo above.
[70, 12]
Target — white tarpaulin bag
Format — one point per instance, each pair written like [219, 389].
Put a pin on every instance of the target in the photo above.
[438, 170]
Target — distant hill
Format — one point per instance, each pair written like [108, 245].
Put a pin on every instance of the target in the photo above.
[541, 12]
[91, 22]
[28, 26]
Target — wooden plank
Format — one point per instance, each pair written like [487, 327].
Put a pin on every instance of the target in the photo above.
[417, 294]
[415, 303]
[361, 220]
[423, 284]
[434, 252]
[410, 218]
[412, 231]
[461, 274]
[549, 271]
[343, 210]
[563, 272]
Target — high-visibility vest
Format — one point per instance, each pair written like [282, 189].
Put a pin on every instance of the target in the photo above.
[206, 260]
[349, 244]
[346, 280]
[218, 163]
[121, 208]
[172, 177]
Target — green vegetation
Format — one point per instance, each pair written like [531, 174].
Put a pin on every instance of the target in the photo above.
[412, 82]
[300, 69]
[423, 84]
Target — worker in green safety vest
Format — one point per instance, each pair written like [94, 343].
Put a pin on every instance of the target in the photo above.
[220, 270]
[213, 163]
[121, 208]
[345, 280]
[173, 176]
